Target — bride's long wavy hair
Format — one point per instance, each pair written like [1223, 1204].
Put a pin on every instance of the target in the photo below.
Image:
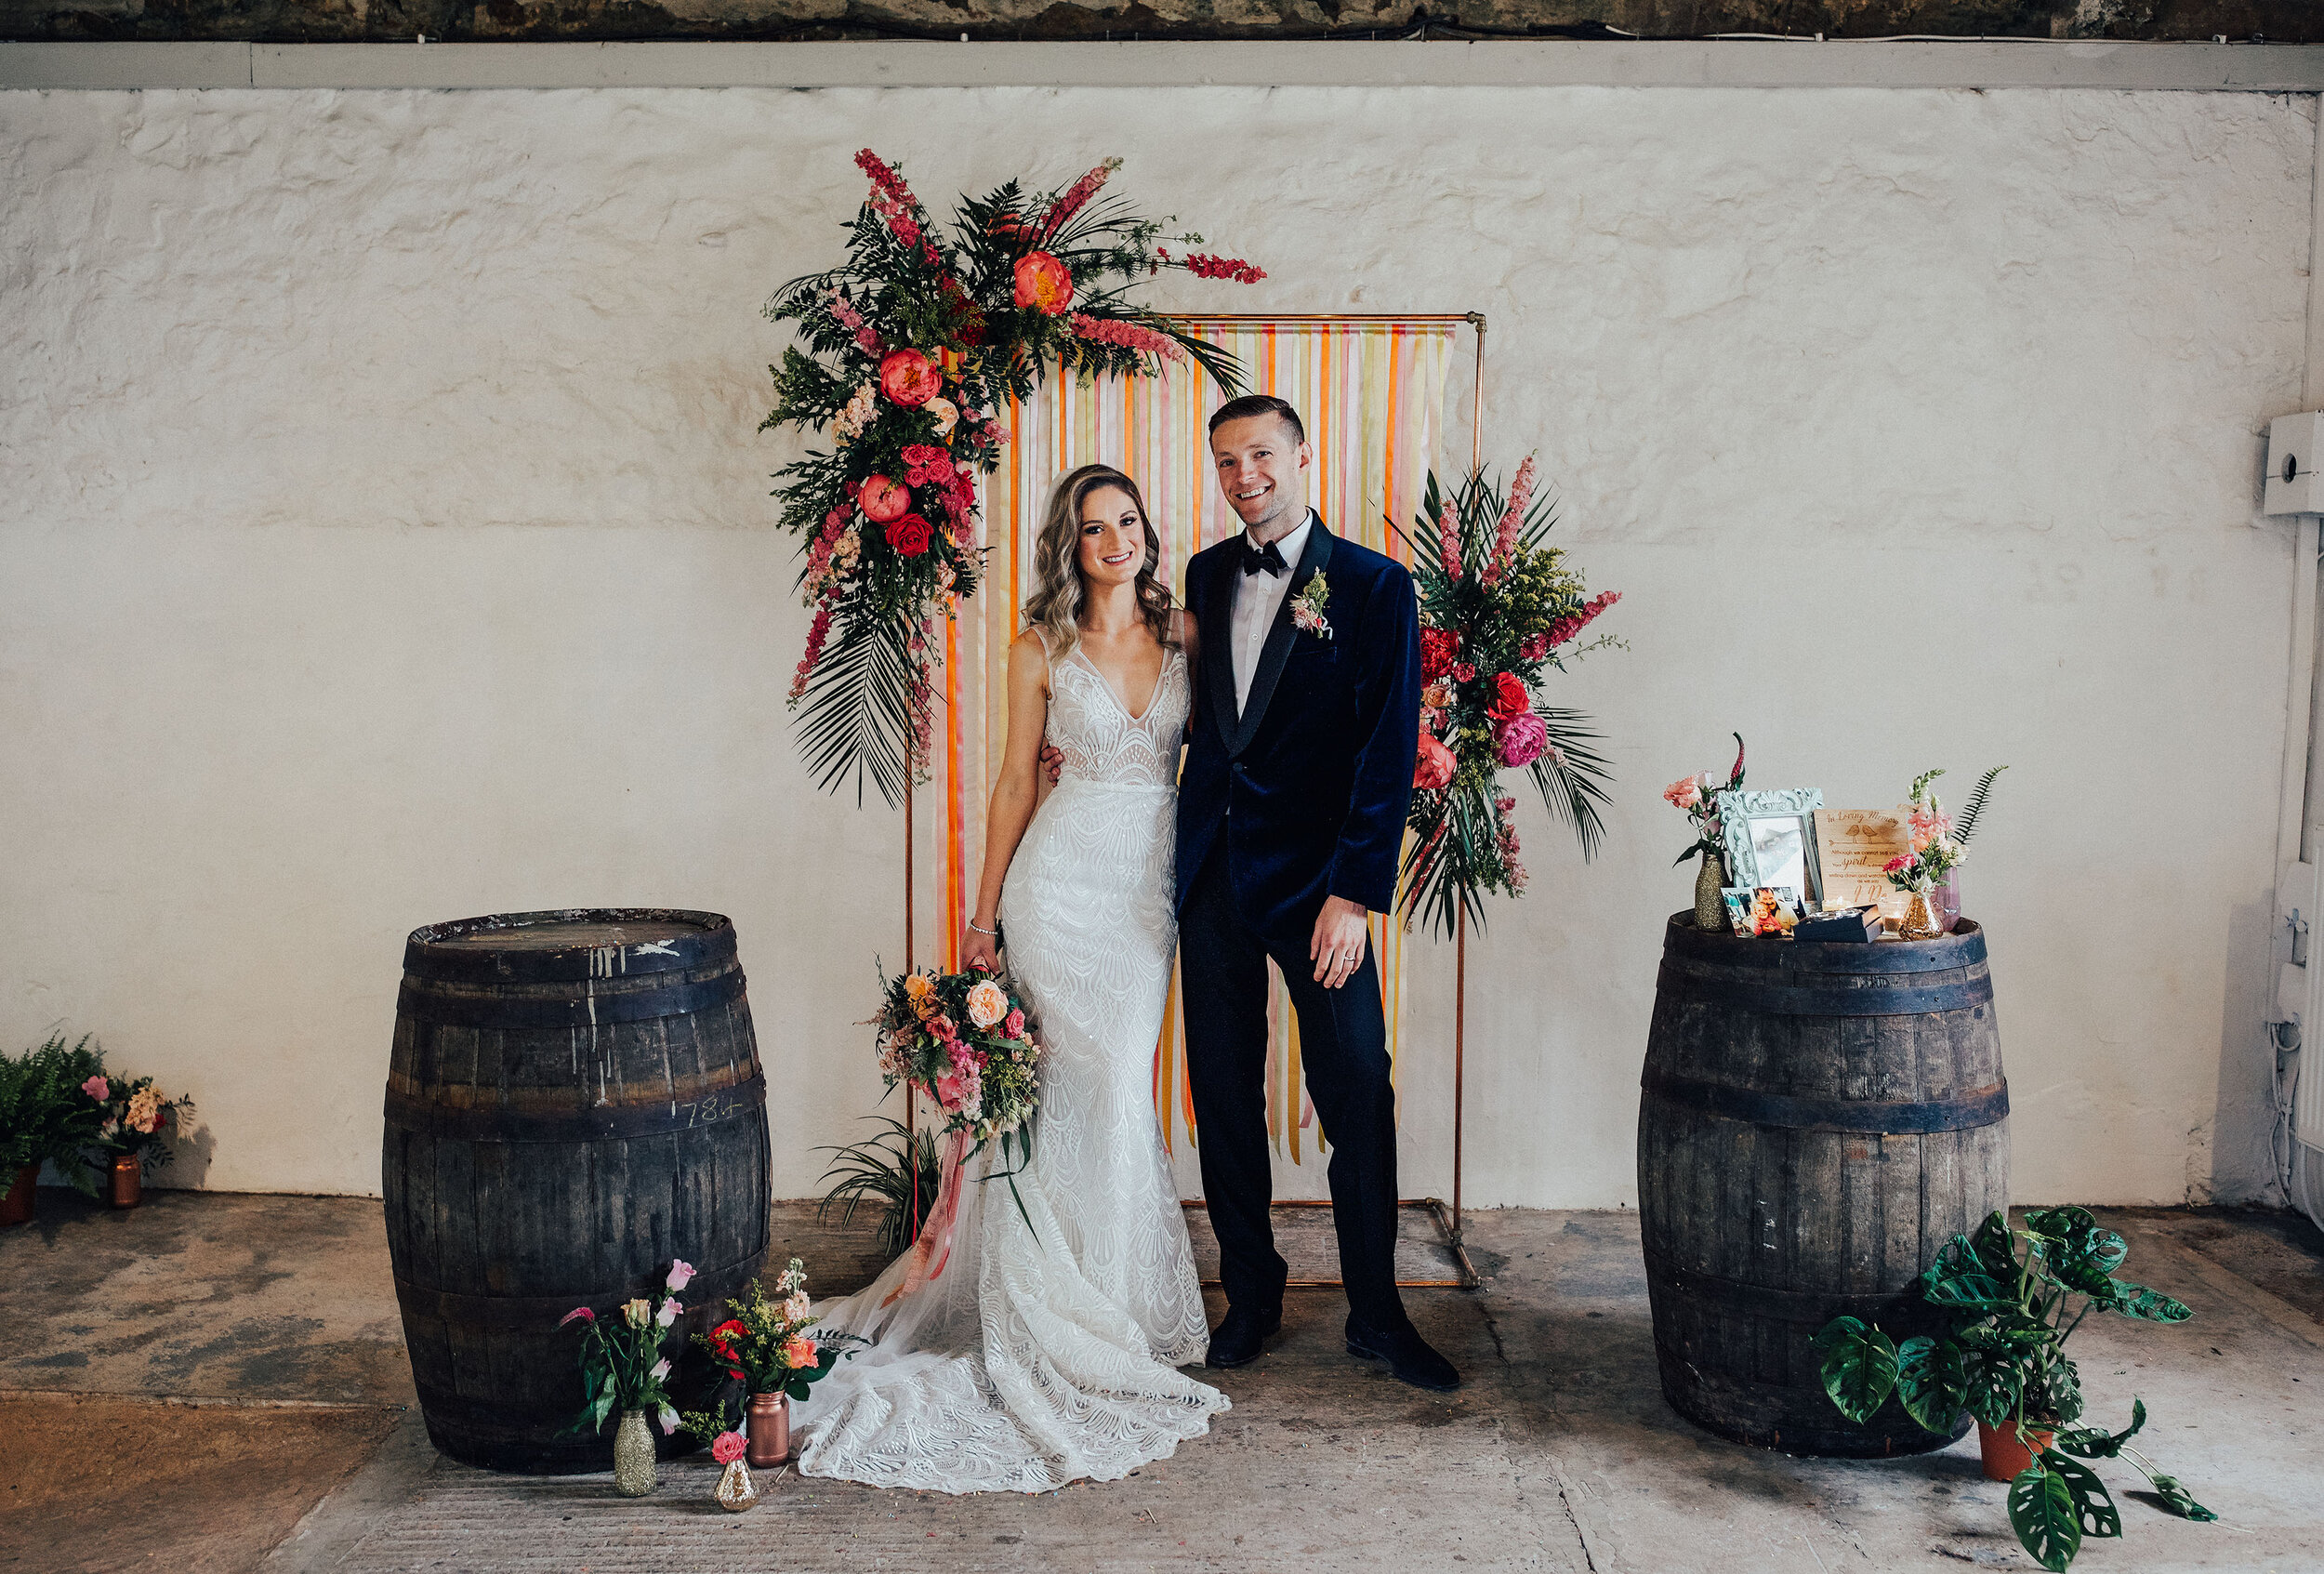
[1059, 594]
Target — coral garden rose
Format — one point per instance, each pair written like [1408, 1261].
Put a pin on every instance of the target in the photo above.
[989, 1002]
[728, 1446]
[1509, 696]
[909, 378]
[1013, 1025]
[797, 1352]
[910, 535]
[917, 985]
[1433, 769]
[1520, 739]
[1044, 283]
[1684, 793]
[883, 499]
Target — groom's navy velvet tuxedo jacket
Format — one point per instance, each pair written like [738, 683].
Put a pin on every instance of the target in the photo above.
[1309, 787]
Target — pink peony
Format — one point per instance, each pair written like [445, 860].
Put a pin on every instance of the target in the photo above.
[728, 1446]
[1433, 768]
[1684, 793]
[97, 1089]
[680, 1272]
[1520, 739]
[1043, 283]
[909, 378]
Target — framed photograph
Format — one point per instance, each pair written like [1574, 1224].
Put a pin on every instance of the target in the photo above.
[1771, 839]
[1739, 901]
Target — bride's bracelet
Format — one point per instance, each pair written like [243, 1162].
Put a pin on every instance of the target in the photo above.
[982, 930]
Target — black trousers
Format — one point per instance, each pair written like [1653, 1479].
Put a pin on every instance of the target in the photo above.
[1344, 1044]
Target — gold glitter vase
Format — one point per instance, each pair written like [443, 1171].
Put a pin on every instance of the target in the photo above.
[736, 1491]
[1923, 920]
[1710, 907]
[633, 1455]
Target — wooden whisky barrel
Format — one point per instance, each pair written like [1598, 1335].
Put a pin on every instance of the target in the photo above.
[573, 1100]
[1817, 1120]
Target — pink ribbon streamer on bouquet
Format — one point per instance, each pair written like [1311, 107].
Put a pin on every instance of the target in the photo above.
[925, 1260]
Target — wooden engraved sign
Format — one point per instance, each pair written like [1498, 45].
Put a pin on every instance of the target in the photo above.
[1851, 846]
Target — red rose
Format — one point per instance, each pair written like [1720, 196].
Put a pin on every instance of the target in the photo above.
[881, 499]
[1509, 696]
[910, 378]
[1044, 283]
[910, 535]
[1439, 649]
[1434, 767]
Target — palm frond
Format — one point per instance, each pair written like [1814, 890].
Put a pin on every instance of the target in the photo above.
[895, 1172]
[1965, 823]
[1572, 776]
[859, 713]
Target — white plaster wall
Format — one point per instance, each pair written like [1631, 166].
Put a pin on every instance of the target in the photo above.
[383, 537]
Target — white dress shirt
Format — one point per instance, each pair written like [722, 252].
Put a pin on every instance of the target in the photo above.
[1258, 597]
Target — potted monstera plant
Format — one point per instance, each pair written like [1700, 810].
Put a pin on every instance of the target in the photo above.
[2006, 1301]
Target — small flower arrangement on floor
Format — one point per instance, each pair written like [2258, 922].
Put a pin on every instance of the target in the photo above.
[624, 1369]
[135, 1113]
[766, 1344]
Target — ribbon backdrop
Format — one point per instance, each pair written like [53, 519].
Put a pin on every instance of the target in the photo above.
[1372, 393]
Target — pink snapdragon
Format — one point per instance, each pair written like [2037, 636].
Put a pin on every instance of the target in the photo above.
[816, 635]
[1129, 336]
[1448, 540]
[853, 321]
[1565, 628]
[1077, 197]
[1513, 520]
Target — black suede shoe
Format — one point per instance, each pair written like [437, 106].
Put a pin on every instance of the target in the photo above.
[1241, 1335]
[1408, 1356]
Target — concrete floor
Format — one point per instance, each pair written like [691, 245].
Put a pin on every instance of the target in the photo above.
[217, 1383]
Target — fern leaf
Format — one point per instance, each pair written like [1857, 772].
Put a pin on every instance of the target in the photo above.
[1965, 823]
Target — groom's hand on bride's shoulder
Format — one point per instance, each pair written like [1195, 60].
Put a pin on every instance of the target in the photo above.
[1337, 948]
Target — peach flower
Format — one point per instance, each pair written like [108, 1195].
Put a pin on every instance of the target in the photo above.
[989, 1002]
[1684, 793]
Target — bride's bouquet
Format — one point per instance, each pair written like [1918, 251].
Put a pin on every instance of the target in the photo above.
[963, 1041]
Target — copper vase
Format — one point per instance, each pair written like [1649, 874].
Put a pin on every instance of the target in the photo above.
[767, 1426]
[16, 1206]
[129, 1181]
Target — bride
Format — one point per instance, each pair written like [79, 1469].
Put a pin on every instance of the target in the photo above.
[1045, 1349]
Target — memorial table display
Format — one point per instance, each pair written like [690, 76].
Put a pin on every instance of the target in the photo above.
[573, 1101]
[1817, 1119]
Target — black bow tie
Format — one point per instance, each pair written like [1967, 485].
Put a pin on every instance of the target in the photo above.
[1268, 561]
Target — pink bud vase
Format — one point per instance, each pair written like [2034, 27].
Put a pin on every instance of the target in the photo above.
[1948, 899]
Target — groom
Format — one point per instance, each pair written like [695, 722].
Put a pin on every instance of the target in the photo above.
[1290, 818]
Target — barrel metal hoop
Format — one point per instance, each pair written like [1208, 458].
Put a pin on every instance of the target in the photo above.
[493, 1123]
[1975, 1107]
[421, 1003]
[1780, 1305]
[1680, 985]
[539, 1313]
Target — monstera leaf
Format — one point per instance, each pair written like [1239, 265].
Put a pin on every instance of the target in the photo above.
[1932, 1381]
[1859, 1365]
[2041, 1511]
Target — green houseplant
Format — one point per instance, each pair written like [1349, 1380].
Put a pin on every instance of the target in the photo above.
[52, 1109]
[2007, 1301]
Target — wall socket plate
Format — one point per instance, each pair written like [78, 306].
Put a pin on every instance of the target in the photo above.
[2295, 464]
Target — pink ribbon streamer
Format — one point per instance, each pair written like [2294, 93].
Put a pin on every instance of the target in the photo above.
[924, 1262]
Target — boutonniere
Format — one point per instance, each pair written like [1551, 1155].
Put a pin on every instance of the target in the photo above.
[1307, 607]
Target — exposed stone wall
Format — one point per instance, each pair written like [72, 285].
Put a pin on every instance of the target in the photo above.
[338, 20]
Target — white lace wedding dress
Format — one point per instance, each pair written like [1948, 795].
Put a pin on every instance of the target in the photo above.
[1046, 1351]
